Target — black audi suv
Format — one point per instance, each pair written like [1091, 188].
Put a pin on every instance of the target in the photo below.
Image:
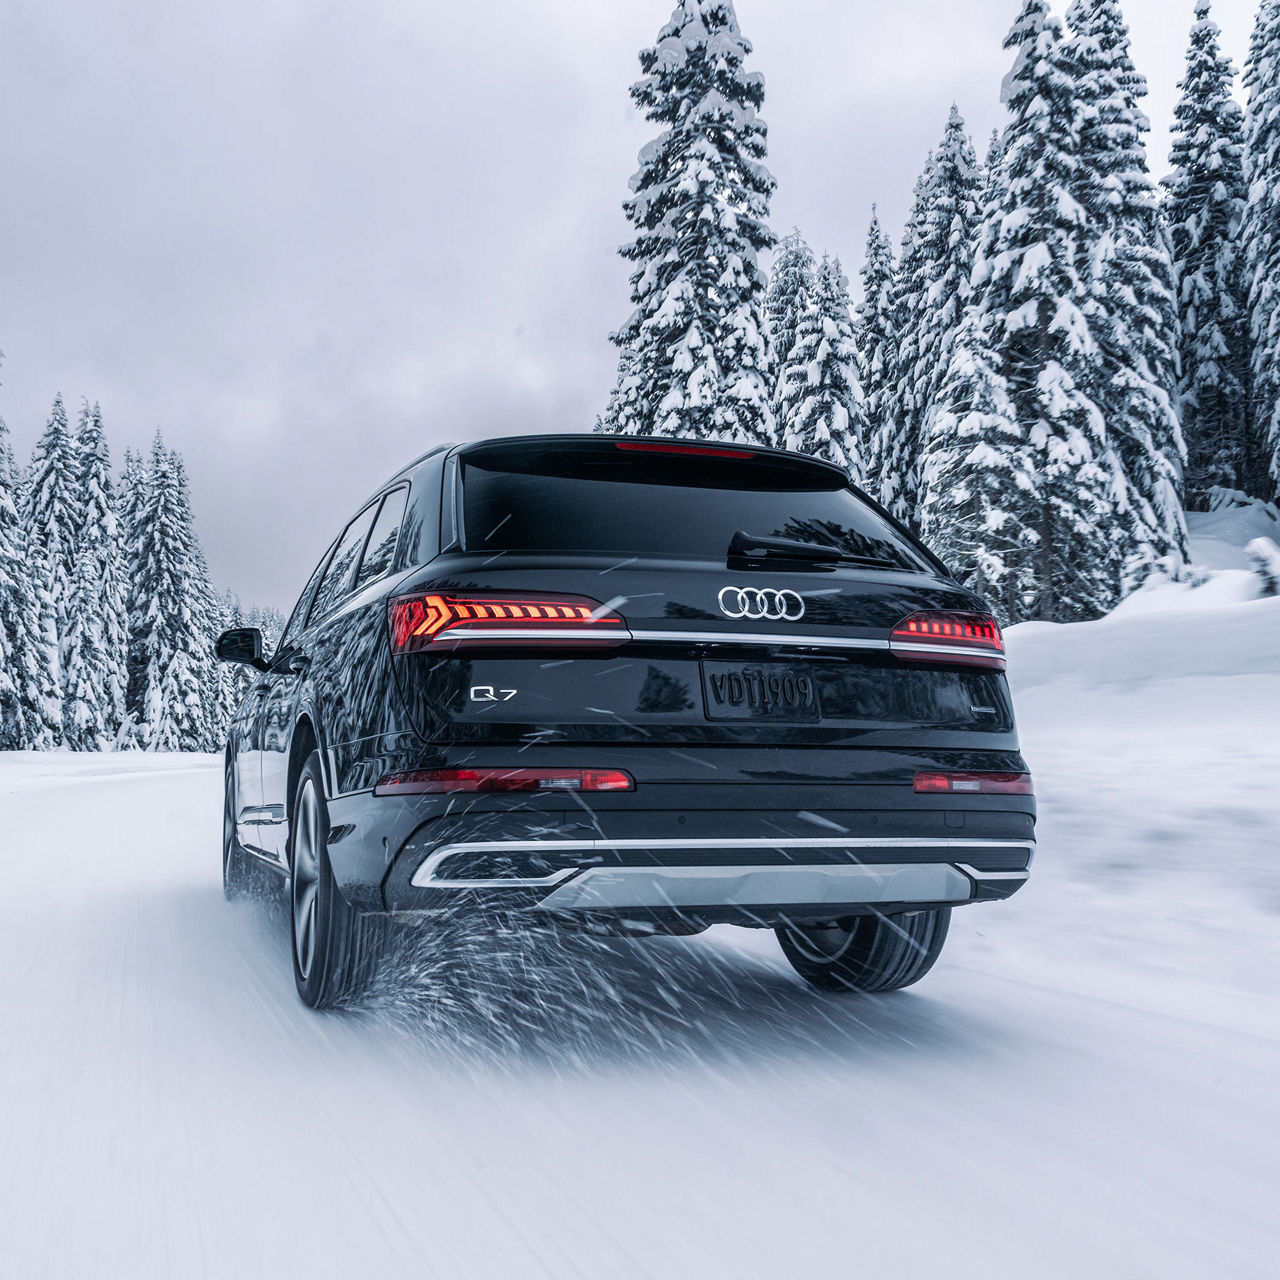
[635, 685]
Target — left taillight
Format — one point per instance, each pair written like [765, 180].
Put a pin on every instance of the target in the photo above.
[973, 639]
[440, 621]
[421, 782]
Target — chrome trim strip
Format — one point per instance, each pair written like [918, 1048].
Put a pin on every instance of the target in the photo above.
[800, 842]
[265, 815]
[425, 876]
[466, 635]
[992, 875]
[756, 638]
[776, 886]
[902, 646]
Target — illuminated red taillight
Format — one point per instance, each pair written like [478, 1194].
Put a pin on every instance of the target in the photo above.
[702, 450]
[980, 784]
[436, 781]
[445, 621]
[970, 638]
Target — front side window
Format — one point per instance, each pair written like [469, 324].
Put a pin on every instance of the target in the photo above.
[381, 551]
[335, 586]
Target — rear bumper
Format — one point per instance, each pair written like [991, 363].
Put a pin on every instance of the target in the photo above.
[740, 879]
[750, 853]
[780, 875]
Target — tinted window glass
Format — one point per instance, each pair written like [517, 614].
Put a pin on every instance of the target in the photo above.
[293, 628]
[337, 577]
[663, 506]
[381, 550]
[420, 538]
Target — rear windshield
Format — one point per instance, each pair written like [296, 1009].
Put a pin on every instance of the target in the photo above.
[599, 501]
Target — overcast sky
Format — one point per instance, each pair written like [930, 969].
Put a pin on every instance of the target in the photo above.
[309, 239]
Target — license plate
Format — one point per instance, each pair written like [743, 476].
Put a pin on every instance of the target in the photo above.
[759, 691]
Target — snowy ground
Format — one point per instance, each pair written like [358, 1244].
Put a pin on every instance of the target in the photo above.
[1087, 1086]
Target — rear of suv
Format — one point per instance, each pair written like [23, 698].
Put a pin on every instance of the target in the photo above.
[629, 685]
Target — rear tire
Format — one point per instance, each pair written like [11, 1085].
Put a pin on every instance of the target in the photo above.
[335, 948]
[867, 953]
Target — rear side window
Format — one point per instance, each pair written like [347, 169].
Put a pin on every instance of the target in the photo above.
[420, 536]
[381, 551]
[664, 506]
[337, 577]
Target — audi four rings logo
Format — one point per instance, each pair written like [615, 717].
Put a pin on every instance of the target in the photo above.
[762, 603]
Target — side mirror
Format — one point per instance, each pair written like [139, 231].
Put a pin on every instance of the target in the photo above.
[242, 645]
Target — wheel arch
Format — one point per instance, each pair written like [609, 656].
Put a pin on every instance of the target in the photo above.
[304, 741]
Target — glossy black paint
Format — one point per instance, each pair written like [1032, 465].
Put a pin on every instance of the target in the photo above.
[334, 685]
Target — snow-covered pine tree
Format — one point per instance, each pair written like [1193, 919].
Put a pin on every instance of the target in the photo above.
[977, 477]
[165, 667]
[1019, 378]
[940, 296]
[211, 626]
[29, 702]
[792, 285]
[95, 649]
[627, 408]
[233, 680]
[1262, 246]
[951, 227]
[933, 288]
[52, 506]
[131, 502]
[695, 353]
[822, 410]
[1133, 314]
[876, 340]
[87, 704]
[13, 607]
[897, 450]
[202, 607]
[1205, 211]
[216, 675]
[991, 168]
[129, 491]
[44, 676]
[271, 623]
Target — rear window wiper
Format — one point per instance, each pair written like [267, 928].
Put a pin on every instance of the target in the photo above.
[751, 546]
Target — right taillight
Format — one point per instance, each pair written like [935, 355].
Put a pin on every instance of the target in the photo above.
[970, 638]
[442, 621]
[974, 784]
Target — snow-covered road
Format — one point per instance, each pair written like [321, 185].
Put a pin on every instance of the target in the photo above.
[1087, 1085]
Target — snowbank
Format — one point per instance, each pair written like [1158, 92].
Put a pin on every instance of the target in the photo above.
[1165, 631]
[1218, 537]
[1214, 623]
